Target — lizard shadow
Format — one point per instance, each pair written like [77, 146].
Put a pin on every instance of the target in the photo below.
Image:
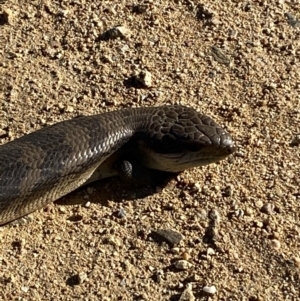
[117, 190]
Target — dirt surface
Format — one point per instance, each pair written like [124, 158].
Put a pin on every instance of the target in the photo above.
[237, 61]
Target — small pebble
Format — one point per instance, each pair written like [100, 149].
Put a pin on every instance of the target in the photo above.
[158, 275]
[239, 212]
[140, 8]
[210, 251]
[43, 121]
[187, 294]
[259, 203]
[107, 59]
[114, 241]
[202, 214]
[175, 250]
[7, 16]
[145, 78]
[197, 187]
[214, 216]
[151, 268]
[75, 218]
[185, 256]
[248, 211]
[123, 282]
[238, 269]
[182, 264]
[268, 208]
[228, 191]
[259, 224]
[116, 32]
[292, 20]
[296, 139]
[219, 56]
[211, 235]
[275, 235]
[61, 209]
[235, 254]
[69, 109]
[197, 277]
[212, 74]
[60, 105]
[203, 13]
[63, 13]
[3, 133]
[87, 204]
[297, 261]
[81, 277]
[25, 289]
[170, 236]
[210, 289]
[121, 213]
[276, 244]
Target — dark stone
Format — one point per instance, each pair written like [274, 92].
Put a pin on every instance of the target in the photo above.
[170, 236]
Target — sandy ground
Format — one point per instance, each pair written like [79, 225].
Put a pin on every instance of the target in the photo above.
[237, 61]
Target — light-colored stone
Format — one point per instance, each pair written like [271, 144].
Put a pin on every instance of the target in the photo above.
[182, 264]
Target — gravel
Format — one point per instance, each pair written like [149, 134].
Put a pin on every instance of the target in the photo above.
[238, 62]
